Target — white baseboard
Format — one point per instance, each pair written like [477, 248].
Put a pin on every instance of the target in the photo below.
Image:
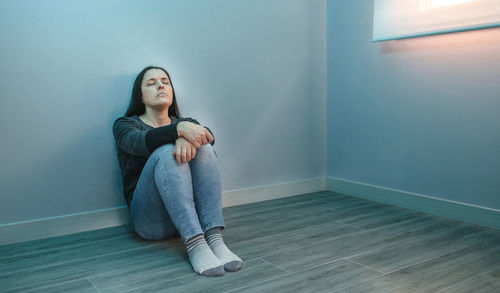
[266, 192]
[459, 211]
[92, 220]
[61, 225]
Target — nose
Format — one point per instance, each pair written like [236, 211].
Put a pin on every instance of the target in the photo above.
[161, 86]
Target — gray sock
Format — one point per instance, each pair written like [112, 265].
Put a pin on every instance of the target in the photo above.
[202, 258]
[231, 261]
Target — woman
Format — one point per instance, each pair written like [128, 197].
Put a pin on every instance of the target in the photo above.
[171, 178]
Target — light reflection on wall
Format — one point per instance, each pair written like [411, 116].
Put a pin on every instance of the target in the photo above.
[396, 19]
[465, 60]
[441, 3]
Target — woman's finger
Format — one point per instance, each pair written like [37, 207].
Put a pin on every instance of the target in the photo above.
[193, 152]
[188, 153]
[205, 139]
[175, 152]
[183, 153]
[210, 137]
[178, 156]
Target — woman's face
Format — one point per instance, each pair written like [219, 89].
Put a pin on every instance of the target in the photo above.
[157, 91]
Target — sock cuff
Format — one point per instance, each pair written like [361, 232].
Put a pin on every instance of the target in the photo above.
[195, 242]
[214, 240]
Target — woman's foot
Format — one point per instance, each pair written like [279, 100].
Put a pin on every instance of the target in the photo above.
[202, 258]
[231, 261]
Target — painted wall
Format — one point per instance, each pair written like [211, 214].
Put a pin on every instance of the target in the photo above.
[253, 71]
[419, 115]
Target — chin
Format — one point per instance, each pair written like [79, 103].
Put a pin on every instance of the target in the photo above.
[162, 105]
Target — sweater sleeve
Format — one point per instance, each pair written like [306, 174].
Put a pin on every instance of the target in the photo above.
[129, 138]
[159, 136]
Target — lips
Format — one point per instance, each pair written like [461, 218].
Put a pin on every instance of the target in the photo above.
[161, 94]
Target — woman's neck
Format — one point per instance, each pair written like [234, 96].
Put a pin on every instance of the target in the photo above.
[156, 119]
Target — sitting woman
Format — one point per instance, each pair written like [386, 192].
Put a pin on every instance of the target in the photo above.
[170, 173]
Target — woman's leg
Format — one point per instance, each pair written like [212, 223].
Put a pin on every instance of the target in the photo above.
[148, 214]
[207, 188]
[166, 184]
[170, 184]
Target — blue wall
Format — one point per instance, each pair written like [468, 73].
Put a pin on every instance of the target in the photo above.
[253, 71]
[419, 115]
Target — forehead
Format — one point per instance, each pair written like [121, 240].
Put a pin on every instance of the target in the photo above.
[154, 73]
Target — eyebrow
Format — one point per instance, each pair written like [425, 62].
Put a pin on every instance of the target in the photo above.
[152, 78]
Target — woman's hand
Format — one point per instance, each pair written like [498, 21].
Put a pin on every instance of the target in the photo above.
[194, 133]
[184, 150]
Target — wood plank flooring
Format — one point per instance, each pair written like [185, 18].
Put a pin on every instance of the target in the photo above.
[316, 242]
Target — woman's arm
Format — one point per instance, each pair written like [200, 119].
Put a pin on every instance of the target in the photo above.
[129, 138]
[135, 141]
[159, 136]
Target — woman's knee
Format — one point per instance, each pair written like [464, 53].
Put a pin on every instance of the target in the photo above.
[205, 152]
[163, 150]
[164, 153]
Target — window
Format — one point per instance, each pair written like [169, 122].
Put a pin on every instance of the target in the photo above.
[397, 19]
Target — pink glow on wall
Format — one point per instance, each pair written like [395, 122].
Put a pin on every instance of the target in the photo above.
[442, 3]
[397, 19]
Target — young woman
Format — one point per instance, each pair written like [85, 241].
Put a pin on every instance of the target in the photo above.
[170, 173]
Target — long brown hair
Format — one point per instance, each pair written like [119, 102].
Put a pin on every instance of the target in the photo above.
[136, 106]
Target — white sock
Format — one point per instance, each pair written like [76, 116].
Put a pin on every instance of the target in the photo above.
[231, 261]
[202, 258]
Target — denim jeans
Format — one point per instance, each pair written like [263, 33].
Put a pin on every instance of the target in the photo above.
[172, 199]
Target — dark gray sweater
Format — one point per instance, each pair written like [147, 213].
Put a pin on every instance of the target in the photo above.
[136, 141]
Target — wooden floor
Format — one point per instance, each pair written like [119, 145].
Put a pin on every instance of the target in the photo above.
[317, 242]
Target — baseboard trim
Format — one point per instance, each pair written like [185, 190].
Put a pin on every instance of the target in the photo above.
[272, 191]
[92, 220]
[459, 211]
[61, 225]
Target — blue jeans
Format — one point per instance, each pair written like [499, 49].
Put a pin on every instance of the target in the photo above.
[164, 203]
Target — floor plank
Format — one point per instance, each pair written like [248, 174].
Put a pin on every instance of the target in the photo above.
[255, 271]
[323, 278]
[76, 286]
[478, 284]
[396, 255]
[438, 273]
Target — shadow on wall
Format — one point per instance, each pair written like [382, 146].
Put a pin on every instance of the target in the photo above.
[73, 167]
[79, 174]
